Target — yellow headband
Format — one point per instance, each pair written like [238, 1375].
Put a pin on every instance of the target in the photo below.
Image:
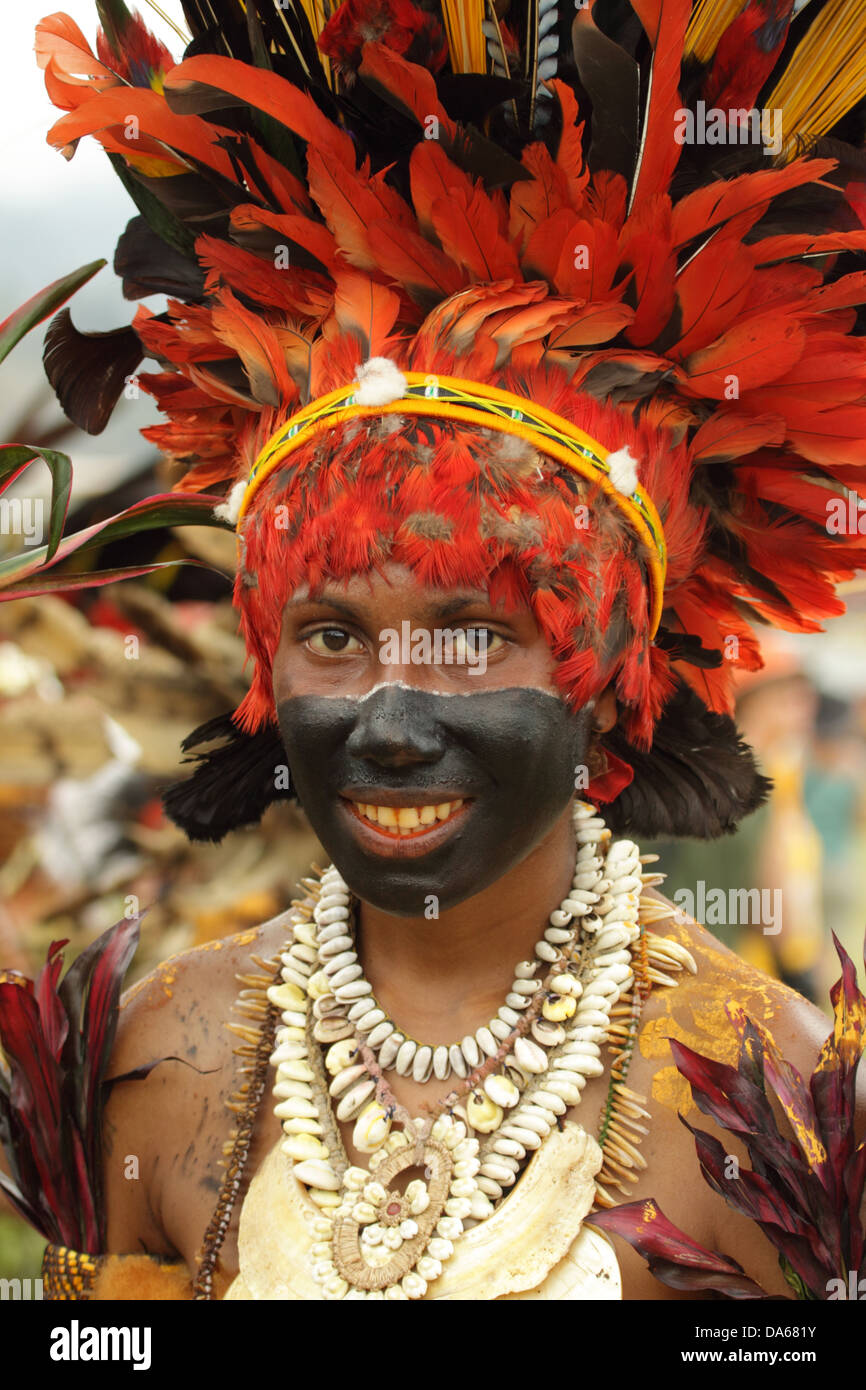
[474, 403]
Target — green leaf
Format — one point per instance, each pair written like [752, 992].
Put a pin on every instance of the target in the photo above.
[794, 1282]
[41, 304]
[166, 509]
[92, 579]
[14, 458]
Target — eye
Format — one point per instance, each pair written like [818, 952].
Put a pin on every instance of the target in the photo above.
[477, 641]
[333, 641]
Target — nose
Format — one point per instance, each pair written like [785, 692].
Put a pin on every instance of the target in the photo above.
[395, 727]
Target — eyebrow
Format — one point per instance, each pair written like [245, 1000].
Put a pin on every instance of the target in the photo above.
[446, 609]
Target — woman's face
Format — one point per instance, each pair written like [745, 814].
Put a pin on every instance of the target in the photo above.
[427, 741]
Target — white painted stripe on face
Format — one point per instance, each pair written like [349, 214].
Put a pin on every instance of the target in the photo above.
[459, 694]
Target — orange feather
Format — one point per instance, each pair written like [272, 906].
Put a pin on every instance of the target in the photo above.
[199, 84]
[413, 88]
[115, 109]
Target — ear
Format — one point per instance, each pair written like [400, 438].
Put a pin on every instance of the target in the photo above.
[604, 713]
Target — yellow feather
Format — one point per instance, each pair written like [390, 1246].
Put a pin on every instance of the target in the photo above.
[825, 77]
[710, 19]
[466, 42]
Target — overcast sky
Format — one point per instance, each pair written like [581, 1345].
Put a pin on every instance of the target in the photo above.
[59, 214]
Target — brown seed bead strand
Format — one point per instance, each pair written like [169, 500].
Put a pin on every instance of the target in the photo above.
[252, 1092]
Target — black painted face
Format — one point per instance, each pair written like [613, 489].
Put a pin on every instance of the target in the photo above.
[508, 754]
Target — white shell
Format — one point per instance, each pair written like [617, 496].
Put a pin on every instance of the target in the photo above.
[441, 1063]
[500, 1029]
[525, 987]
[345, 976]
[486, 1041]
[390, 1048]
[353, 990]
[501, 1091]
[405, 1057]
[371, 1019]
[378, 1034]
[546, 1032]
[346, 1078]
[548, 1100]
[371, 1128]
[526, 969]
[354, 1099]
[457, 1060]
[470, 1050]
[336, 946]
[315, 1172]
[422, 1064]
[530, 1056]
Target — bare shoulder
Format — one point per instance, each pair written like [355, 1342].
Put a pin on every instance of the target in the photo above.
[696, 1011]
[164, 1133]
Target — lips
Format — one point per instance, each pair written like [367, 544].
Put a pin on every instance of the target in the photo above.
[406, 820]
[403, 830]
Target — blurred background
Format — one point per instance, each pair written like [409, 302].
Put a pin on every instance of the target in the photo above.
[97, 691]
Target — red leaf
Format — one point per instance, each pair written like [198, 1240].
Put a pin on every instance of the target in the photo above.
[55, 1024]
[673, 1257]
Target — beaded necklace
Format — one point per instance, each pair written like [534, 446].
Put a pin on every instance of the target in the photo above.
[598, 947]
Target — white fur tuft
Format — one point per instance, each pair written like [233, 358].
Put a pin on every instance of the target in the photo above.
[623, 471]
[380, 382]
[230, 508]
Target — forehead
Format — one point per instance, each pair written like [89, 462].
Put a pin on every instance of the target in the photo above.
[395, 585]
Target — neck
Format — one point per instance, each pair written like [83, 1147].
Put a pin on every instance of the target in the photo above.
[442, 978]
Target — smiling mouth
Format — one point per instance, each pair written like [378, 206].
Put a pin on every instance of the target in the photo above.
[405, 822]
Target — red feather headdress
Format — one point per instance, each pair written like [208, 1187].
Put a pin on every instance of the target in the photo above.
[535, 206]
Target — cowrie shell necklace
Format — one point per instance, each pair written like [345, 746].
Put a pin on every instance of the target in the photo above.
[370, 1239]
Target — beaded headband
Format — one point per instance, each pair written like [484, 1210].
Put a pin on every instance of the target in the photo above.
[382, 389]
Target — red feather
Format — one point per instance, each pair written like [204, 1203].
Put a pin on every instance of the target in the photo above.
[746, 54]
[569, 156]
[406, 256]
[258, 347]
[367, 311]
[731, 433]
[748, 356]
[647, 248]
[350, 203]
[708, 207]
[468, 226]
[665, 22]
[712, 291]
[114, 110]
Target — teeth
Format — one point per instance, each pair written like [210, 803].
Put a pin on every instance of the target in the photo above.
[405, 820]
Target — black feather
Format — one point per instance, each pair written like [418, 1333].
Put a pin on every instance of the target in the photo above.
[147, 265]
[698, 781]
[88, 371]
[233, 784]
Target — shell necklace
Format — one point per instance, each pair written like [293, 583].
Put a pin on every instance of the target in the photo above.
[372, 1240]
